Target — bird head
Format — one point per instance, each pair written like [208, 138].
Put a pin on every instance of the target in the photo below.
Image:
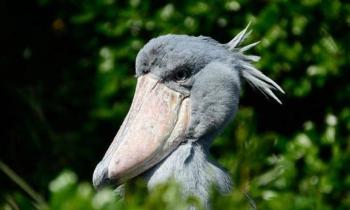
[187, 89]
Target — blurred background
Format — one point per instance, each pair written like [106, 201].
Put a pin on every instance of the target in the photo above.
[67, 81]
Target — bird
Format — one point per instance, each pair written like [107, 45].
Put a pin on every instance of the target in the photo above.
[188, 89]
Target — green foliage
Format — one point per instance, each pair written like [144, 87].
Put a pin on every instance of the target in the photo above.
[67, 193]
[67, 80]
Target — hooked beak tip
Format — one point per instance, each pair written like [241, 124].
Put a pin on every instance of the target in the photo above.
[100, 176]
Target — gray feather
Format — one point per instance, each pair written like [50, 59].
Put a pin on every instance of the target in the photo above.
[253, 76]
[248, 47]
[252, 58]
[261, 82]
[239, 38]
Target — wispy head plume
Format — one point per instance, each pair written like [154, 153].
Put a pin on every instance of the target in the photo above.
[244, 63]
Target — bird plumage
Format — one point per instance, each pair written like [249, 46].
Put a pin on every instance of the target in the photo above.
[209, 74]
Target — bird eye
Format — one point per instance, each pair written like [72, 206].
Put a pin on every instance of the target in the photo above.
[181, 75]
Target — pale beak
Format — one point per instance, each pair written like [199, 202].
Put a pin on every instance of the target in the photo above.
[155, 125]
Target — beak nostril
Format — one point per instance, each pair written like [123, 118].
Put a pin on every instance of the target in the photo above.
[145, 71]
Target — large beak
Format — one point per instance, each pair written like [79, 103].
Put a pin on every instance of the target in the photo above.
[154, 127]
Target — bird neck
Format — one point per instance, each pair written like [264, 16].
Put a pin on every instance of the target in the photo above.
[190, 166]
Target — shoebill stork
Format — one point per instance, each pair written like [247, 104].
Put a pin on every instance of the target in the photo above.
[187, 90]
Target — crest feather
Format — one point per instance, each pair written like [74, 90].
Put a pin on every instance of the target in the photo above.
[239, 38]
[252, 75]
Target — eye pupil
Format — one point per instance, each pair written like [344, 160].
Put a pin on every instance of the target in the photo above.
[181, 75]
